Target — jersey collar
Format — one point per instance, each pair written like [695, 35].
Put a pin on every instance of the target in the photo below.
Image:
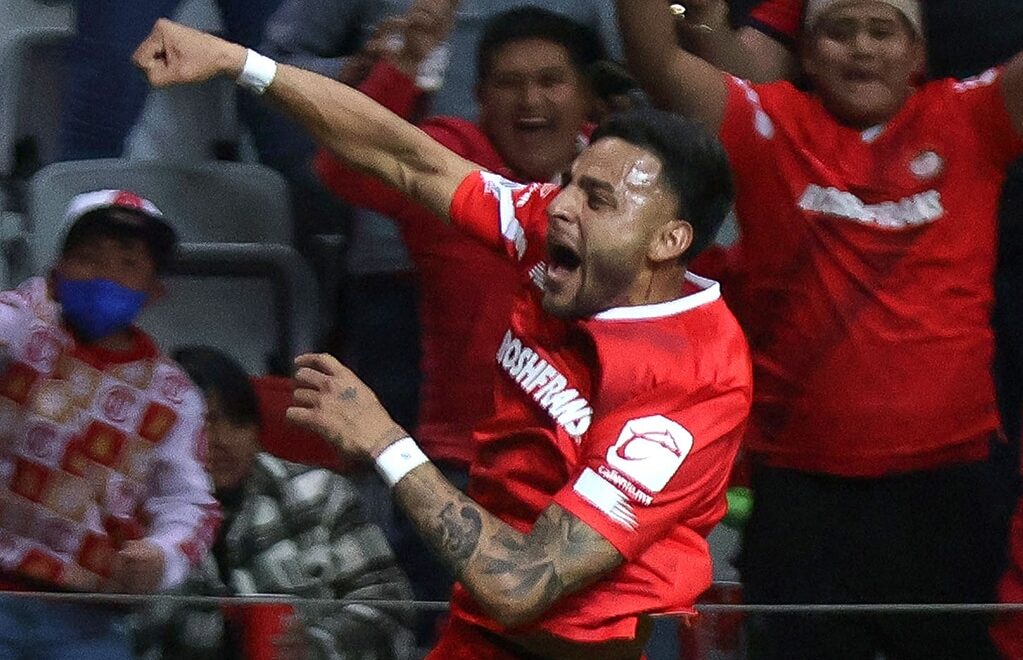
[709, 292]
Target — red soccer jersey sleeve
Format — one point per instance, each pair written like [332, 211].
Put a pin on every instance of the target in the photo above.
[779, 19]
[645, 469]
[507, 216]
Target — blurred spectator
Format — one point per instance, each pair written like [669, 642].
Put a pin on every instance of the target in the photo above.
[104, 488]
[104, 93]
[105, 96]
[379, 330]
[868, 309]
[963, 38]
[534, 102]
[288, 529]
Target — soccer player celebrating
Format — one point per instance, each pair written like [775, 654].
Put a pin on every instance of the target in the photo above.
[867, 210]
[625, 384]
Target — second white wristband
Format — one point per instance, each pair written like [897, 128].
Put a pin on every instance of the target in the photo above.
[257, 73]
[399, 459]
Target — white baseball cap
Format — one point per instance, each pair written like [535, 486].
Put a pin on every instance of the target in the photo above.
[146, 220]
[815, 9]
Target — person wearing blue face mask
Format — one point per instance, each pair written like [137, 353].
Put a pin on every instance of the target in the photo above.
[110, 263]
[102, 438]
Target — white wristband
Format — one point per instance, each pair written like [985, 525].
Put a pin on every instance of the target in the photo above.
[399, 459]
[257, 73]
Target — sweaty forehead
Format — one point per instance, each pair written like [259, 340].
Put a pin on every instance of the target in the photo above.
[620, 164]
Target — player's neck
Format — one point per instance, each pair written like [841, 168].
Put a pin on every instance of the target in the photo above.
[660, 285]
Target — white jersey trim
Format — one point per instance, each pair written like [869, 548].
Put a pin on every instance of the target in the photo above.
[711, 291]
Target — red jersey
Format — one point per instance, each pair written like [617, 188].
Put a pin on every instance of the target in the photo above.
[630, 420]
[866, 262]
[780, 19]
[466, 291]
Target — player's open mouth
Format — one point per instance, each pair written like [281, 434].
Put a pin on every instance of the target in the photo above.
[562, 261]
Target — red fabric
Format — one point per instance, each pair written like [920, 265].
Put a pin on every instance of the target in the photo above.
[280, 437]
[142, 348]
[465, 290]
[631, 424]
[780, 19]
[864, 275]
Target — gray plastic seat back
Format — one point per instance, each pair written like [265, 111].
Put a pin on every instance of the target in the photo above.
[205, 202]
[256, 302]
[31, 85]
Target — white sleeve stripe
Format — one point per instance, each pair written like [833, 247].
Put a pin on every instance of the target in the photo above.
[511, 228]
[602, 494]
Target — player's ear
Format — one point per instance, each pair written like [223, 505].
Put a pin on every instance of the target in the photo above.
[670, 241]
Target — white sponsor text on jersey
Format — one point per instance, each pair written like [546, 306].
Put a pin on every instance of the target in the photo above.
[548, 386]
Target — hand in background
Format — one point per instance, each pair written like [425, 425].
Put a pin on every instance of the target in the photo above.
[427, 25]
[137, 568]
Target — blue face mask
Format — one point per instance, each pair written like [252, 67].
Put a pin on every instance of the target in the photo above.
[98, 308]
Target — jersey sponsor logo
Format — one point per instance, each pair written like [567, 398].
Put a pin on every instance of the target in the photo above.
[927, 165]
[606, 497]
[919, 209]
[546, 385]
[650, 450]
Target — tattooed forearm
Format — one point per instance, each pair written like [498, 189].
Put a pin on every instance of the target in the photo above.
[515, 576]
[457, 533]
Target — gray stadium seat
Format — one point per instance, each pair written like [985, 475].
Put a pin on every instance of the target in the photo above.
[238, 283]
[31, 82]
[256, 302]
[36, 13]
[206, 202]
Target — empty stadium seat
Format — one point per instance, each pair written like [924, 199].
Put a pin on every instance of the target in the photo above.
[212, 201]
[256, 302]
[31, 82]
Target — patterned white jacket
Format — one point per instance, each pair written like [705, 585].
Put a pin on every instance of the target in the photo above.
[96, 448]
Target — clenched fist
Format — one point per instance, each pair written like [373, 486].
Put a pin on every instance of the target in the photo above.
[137, 568]
[331, 400]
[174, 54]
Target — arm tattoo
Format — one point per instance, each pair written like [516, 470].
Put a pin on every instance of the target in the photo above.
[349, 394]
[458, 529]
[543, 564]
[497, 563]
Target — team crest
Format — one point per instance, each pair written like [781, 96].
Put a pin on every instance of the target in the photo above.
[927, 165]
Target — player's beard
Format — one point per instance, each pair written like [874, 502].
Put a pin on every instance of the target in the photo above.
[603, 282]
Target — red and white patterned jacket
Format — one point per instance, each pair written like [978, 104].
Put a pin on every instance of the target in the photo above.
[96, 448]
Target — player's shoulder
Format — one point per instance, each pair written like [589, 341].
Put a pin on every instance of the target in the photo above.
[687, 341]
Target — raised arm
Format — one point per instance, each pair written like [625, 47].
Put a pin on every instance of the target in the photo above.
[361, 132]
[747, 52]
[675, 79]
